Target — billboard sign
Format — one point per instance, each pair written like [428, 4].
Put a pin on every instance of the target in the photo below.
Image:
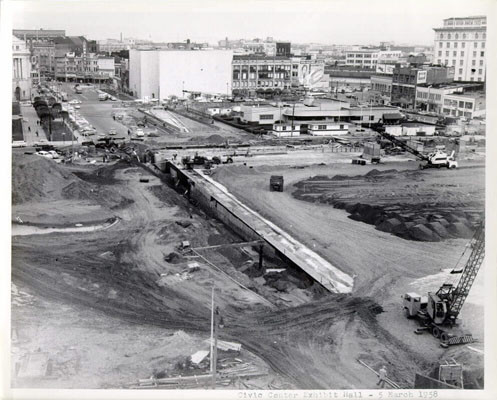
[422, 75]
[385, 68]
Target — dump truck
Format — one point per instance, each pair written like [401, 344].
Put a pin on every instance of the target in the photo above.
[276, 183]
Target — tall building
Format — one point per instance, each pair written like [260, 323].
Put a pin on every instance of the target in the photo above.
[406, 79]
[460, 43]
[21, 70]
[160, 73]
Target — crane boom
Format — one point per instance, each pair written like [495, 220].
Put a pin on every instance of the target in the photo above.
[469, 273]
[402, 145]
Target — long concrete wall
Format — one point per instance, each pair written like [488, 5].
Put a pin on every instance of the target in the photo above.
[216, 200]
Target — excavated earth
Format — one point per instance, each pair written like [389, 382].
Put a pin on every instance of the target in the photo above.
[399, 202]
[112, 303]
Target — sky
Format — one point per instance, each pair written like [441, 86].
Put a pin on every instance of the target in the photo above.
[298, 21]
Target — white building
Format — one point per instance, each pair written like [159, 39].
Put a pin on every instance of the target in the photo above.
[163, 73]
[460, 43]
[21, 70]
[106, 66]
[365, 58]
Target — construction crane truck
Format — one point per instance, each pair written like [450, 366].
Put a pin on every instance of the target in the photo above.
[437, 159]
[438, 312]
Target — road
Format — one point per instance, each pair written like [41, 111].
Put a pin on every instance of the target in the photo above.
[97, 113]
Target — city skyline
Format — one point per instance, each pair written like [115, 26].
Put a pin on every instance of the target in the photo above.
[211, 21]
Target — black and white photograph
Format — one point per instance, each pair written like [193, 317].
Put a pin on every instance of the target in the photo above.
[270, 199]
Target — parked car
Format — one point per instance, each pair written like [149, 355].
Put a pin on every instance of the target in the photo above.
[45, 154]
[75, 101]
[112, 132]
[19, 143]
[139, 132]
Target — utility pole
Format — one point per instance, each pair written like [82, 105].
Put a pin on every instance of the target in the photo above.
[213, 343]
[293, 119]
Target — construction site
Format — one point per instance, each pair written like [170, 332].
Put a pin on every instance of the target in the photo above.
[197, 257]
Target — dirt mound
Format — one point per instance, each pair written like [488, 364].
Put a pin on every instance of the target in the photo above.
[36, 178]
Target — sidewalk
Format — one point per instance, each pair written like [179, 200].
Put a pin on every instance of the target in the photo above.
[30, 116]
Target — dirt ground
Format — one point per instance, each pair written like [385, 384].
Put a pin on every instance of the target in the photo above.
[384, 266]
[113, 306]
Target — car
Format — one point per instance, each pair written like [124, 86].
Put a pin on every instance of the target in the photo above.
[75, 101]
[112, 98]
[112, 132]
[77, 106]
[19, 143]
[139, 132]
[54, 154]
[45, 154]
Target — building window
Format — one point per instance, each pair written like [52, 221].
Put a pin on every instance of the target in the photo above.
[440, 54]
[441, 36]
[322, 127]
[462, 53]
[481, 63]
[463, 45]
[479, 79]
[439, 61]
[460, 71]
[449, 36]
[473, 62]
[468, 105]
[447, 53]
[474, 53]
[482, 54]
[455, 53]
[476, 36]
[479, 71]
[446, 62]
[457, 36]
[482, 45]
[266, 116]
[461, 62]
[448, 44]
[455, 45]
[464, 36]
[484, 36]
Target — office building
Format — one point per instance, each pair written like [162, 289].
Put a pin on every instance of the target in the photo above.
[461, 44]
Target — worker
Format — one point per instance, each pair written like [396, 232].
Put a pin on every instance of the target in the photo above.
[29, 129]
[382, 375]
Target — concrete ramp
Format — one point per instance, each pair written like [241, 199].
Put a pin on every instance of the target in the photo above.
[313, 264]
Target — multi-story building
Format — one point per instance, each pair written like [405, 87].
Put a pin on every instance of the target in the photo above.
[159, 73]
[460, 43]
[467, 105]
[251, 73]
[84, 68]
[364, 58]
[38, 34]
[21, 70]
[405, 80]
[44, 53]
[381, 88]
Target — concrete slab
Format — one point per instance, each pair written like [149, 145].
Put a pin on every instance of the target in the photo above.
[312, 263]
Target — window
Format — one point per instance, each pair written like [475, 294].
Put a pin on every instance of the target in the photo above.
[481, 63]
[455, 45]
[474, 53]
[471, 79]
[322, 127]
[457, 36]
[439, 61]
[463, 45]
[468, 105]
[475, 44]
[440, 54]
[480, 71]
[441, 36]
[479, 79]
[476, 36]
[461, 62]
[462, 53]
[484, 36]
[447, 53]
[482, 45]
[473, 62]
[464, 36]
[460, 71]
[266, 116]
[454, 53]
[482, 54]
[453, 62]
[449, 36]
[441, 44]
[447, 44]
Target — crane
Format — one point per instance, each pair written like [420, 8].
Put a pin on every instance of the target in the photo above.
[441, 309]
[436, 159]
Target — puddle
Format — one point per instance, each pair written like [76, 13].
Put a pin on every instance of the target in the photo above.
[25, 230]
